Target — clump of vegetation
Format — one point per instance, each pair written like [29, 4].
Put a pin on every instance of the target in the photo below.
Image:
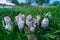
[52, 33]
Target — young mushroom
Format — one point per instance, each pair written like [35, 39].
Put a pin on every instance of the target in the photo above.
[45, 23]
[7, 23]
[20, 21]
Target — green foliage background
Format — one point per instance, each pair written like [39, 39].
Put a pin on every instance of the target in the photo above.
[41, 35]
